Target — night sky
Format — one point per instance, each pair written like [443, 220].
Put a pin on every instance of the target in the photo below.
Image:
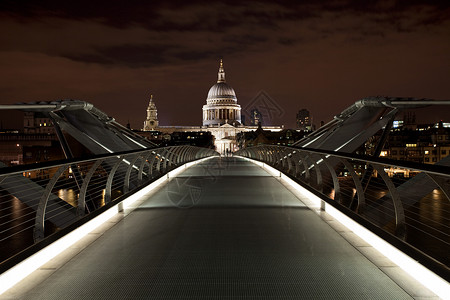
[318, 55]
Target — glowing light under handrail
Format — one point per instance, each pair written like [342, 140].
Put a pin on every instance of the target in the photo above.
[435, 283]
[17, 273]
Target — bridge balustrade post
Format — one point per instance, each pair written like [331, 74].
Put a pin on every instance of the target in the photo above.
[263, 153]
[247, 153]
[279, 158]
[197, 153]
[267, 154]
[274, 157]
[39, 224]
[290, 162]
[170, 156]
[126, 180]
[152, 164]
[177, 154]
[281, 155]
[200, 153]
[255, 153]
[296, 161]
[442, 183]
[250, 153]
[359, 189]
[194, 153]
[159, 160]
[316, 168]
[400, 226]
[280, 164]
[271, 159]
[285, 161]
[259, 154]
[190, 154]
[164, 160]
[336, 186]
[186, 155]
[182, 156]
[141, 167]
[81, 206]
[110, 179]
[307, 176]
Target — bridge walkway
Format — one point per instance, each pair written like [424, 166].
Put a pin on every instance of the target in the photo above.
[223, 229]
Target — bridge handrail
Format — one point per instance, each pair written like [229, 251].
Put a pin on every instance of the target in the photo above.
[360, 187]
[433, 169]
[56, 163]
[36, 192]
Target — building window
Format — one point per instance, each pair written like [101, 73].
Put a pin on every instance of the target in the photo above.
[402, 152]
[444, 152]
[434, 159]
[427, 159]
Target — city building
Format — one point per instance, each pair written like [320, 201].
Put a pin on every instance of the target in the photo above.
[194, 138]
[256, 117]
[427, 143]
[18, 146]
[14, 147]
[304, 120]
[37, 122]
[285, 137]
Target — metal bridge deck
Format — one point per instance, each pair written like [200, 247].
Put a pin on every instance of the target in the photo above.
[223, 229]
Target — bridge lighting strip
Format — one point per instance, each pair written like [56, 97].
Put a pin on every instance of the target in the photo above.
[429, 279]
[17, 273]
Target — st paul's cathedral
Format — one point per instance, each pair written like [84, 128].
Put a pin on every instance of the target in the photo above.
[221, 116]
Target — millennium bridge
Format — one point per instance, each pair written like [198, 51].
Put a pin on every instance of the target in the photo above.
[311, 220]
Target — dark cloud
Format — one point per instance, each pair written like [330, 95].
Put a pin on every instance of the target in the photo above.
[195, 55]
[321, 55]
[216, 15]
[137, 55]
[245, 39]
[89, 58]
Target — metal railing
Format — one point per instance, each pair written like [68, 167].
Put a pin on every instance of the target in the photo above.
[405, 203]
[41, 200]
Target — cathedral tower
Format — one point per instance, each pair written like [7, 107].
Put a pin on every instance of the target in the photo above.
[152, 116]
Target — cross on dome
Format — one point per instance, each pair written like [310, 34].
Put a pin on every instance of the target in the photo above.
[221, 74]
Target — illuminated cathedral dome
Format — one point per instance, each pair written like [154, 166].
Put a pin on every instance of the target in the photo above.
[221, 104]
[221, 91]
